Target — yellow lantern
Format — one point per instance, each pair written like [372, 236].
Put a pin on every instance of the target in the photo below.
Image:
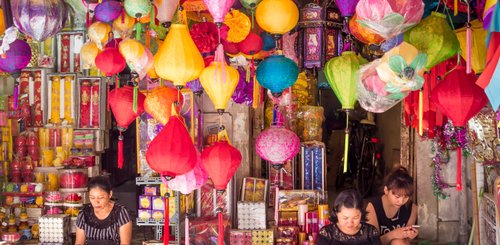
[218, 90]
[89, 51]
[277, 16]
[98, 33]
[2, 22]
[124, 25]
[478, 45]
[131, 49]
[178, 58]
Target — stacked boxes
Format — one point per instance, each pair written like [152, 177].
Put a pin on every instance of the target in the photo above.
[55, 228]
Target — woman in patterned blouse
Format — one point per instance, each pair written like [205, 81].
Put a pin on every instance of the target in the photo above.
[103, 221]
[348, 223]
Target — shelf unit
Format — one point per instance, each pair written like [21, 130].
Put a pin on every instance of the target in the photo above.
[158, 224]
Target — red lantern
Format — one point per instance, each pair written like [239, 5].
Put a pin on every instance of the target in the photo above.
[459, 98]
[110, 61]
[221, 161]
[172, 152]
[121, 101]
[251, 45]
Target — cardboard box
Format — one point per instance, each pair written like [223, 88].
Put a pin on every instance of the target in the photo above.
[145, 202]
[313, 166]
[144, 214]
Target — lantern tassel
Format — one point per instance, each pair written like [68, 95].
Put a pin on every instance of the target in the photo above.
[420, 111]
[120, 150]
[166, 229]
[87, 21]
[108, 91]
[220, 237]
[16, 95]
[186, 228]
[135, 99]
[459, 169]
[123, 16]
[469, 49]
[253, 17]
[276, 203]
[455, 7]
[346, 142]
[138, 30]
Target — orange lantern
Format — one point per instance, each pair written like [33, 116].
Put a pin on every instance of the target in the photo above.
[277, 16]
[89, 52]
[363, 34]
[159, 103]
[124, 25]
[131, 49]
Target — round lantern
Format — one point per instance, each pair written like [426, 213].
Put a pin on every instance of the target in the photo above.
[88, 53]
[99, 33]
[17, 57]
[124, 25]
[268, 42]
[2, 22]
[166, 10]
[110, 61]
[108, 11]
[277, 73]
[434, 37]
[172, 152]
[121, 102]
[39, 19]
[137, 8]
[277, 16]
[159, 103]
[251, 45]
[277, 145]
[219, 81]
[131, 49]
[218, 9]
[250, 4]
[230, 48]
[178, 58]
[221, 160]
[363, 34]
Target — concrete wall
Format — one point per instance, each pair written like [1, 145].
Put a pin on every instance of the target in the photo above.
[388, 124]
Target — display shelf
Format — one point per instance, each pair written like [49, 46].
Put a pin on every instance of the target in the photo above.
[148, 181]
[152, 222]
[18, 194]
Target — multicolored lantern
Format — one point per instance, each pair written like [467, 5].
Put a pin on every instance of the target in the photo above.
[218, 9]
[277, 73]
[333, 32]
[39, 19]
[121, 101]
[277, 16]
[341, 75]
[434, 37]
[311, 23]
[108, 11]
[458, 90]
[160, 102]
[389, 18]
[166, 10]
[178, 58]
[277, 145]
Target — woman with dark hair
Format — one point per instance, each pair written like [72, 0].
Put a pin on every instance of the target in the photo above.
[348, 223]
[393, 213]
[103, 221]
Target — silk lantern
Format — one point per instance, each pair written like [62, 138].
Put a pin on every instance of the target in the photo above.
[277, 73]
[250, 5]
[172, 152]
[131, 50]
[178, 58]
[14, 57]
[190, 181]
[459, 99]
[110, 61]
[124, 25]
[99, 33]
[88, 53]
[434, 37]
[251, 45]
[277, 16]
[39, 19]
[340, 73]
[108, 11]
[137, 9]
[218, 9]
[478, 46]
[166, 10]
[159, 103]
[277, 145]
[121, 101]
[388, 18]
[362, 33]
[221, 160]
[346, 7]
[2, 22]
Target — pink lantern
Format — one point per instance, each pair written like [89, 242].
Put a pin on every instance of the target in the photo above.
[389, 18]
[191, 180]
[166, 10]
[218, 9]
[277, 145]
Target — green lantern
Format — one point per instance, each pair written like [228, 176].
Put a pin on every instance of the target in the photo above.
[138, 9]
[341, 75]
[434, 36]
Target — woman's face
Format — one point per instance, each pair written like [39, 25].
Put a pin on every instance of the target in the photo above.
[397, 198]
[349, 220]
[99, 198]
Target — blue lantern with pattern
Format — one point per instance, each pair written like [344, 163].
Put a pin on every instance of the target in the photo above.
[277, 73]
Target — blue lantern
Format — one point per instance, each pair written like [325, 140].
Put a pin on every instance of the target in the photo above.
[268, 40]
[277, 73]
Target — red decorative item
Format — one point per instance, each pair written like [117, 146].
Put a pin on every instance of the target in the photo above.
[121, 101]
[459, 98]
[205, 36]
[230, 48]
[110, 61]
[251, 45]
[172, 151]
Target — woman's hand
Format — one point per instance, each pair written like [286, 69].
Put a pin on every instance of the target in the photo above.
[401, 233]
[412, 232]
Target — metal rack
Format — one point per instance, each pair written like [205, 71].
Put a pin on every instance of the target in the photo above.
[158, 224]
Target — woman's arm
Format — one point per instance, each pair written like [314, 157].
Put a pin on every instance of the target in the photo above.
[126, 234]
[371, 215]
[387, 237]
[80, 237]
[412, 220]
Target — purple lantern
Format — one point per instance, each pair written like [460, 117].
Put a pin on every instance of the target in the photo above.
[108, 11]
[277, 145]
[346, 7]
[39, 19]
[195, 86]
[17, 57]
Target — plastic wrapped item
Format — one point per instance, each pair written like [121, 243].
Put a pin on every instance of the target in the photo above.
[311, 122]
[72, 209]
[53, 197]
[388, 18]
[73, 178]
[205, 231]
[251, 215]
[53, 208]
[49, 177]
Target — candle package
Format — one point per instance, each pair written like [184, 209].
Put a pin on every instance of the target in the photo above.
[313, 165]
[251, 215]
[54, 228]
[91, 108]
[240, 237]
[61, 103]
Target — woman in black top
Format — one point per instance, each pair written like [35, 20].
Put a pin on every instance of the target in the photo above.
[103, 221]
[394, 213]
[348, 226]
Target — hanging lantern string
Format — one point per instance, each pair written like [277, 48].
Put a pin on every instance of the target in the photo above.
[468, 40]
[135, 83]
[346, 142]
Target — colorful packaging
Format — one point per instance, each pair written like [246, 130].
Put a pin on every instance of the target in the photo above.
[240, 237]
[145, 202]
